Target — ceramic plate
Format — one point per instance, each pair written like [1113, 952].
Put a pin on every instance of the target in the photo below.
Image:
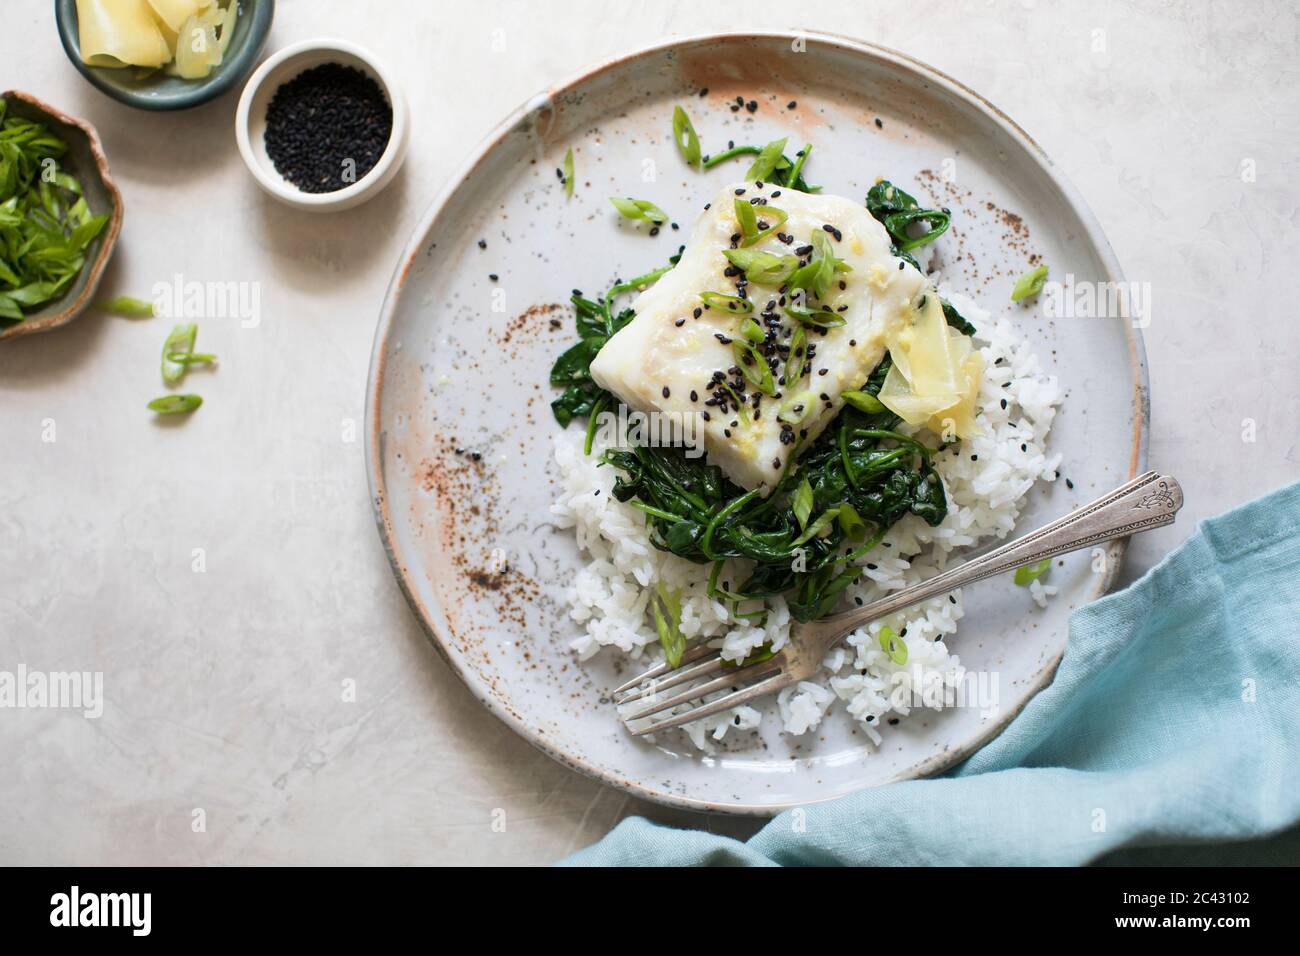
[460, 429]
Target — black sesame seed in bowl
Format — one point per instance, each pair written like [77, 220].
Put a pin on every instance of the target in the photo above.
[322, 126]
[327, 127]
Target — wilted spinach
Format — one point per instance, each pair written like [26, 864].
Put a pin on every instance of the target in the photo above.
[896, 210]
[863, 477]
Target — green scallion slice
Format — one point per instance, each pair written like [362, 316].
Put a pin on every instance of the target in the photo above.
[893, 645]
[754, 367]
[796, 408]
[801, 503]
[126, 306]
[851, 523]
[1031, 283]
[732, 303]
[747, 218]
[864, 402]
[180, 342]
[688, 144]
[762, 268]
[824, 521]
[175, 404]
[1032, 572]
[767, 162]
[798, 356]
[819, 318]
[752, 331]
[639, 209]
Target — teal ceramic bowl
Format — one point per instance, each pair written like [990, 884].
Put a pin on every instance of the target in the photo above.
[162, 92]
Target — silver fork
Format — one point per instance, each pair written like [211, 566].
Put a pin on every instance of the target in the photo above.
[1148, 501]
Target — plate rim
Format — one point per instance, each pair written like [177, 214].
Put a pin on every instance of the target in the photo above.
[414, 247]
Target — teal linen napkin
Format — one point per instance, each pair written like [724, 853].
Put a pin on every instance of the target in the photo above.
[1172, 723]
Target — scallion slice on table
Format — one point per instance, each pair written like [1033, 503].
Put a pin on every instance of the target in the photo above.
[192, 358]
[175, 404]
[568, 172]
[126, 306]
[179, 345]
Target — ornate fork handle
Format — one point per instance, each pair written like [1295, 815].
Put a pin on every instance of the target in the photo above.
[1148, 501]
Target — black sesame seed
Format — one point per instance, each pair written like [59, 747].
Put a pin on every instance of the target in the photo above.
[327, 127]
[791, 105]
[665, 390]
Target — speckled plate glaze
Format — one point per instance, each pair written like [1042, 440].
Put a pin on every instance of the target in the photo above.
[460, 429]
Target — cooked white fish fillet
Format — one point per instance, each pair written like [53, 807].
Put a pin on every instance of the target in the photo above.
[671, 356]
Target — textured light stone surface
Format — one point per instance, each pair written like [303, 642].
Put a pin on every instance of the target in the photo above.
[225, 688]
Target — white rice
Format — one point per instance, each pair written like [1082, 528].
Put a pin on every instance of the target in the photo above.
[986, 478]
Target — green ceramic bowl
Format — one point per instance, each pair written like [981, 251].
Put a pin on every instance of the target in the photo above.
[162, 92]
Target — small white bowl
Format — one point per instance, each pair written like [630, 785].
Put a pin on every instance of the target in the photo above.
[250, 123]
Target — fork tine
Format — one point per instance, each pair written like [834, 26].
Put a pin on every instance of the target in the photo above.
[691, 693]
[766, 685]
[655, 685]
[692, 655]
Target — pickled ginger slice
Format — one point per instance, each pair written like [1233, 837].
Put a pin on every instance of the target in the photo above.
[117, 33]
[174, 13]
[947, 382]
